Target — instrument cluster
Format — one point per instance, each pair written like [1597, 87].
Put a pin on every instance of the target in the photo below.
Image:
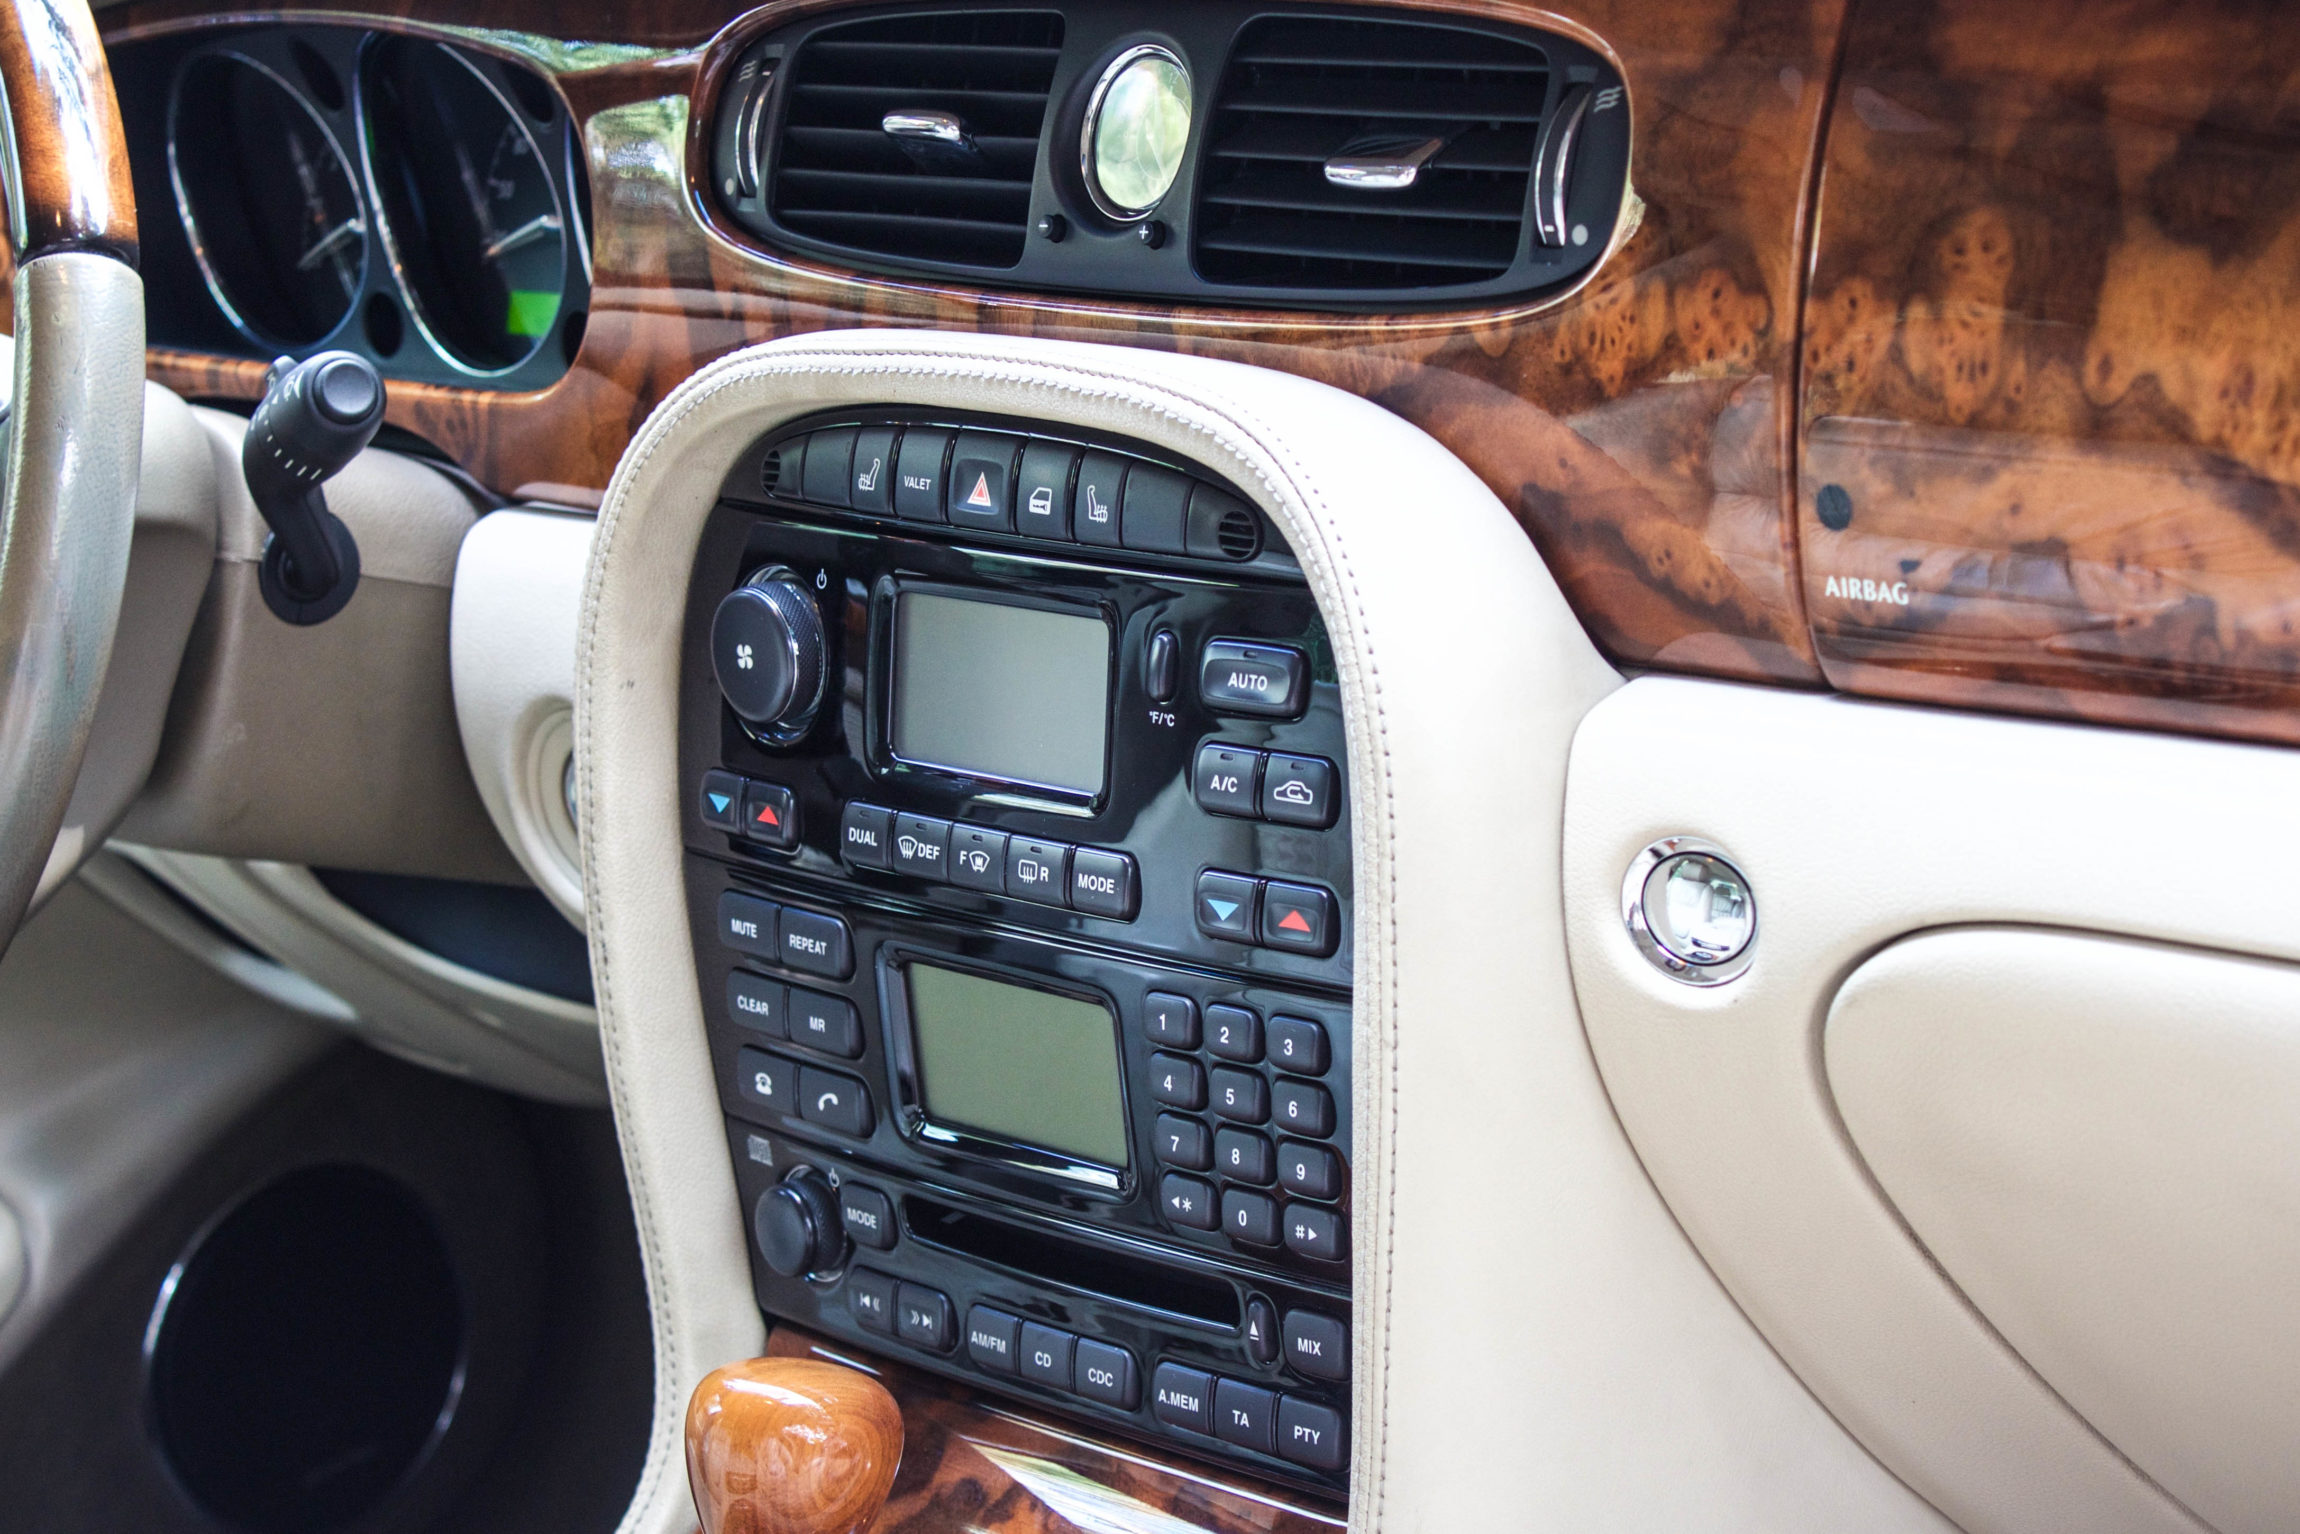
[418, 201]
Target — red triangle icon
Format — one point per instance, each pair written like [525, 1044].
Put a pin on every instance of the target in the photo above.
[1292, 922]
[766, 816]
[980, 494]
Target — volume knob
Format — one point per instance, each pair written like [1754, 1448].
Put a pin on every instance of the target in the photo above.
[797, 1225]
[770, 655]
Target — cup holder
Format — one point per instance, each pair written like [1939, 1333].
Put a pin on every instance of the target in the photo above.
[308, 1352]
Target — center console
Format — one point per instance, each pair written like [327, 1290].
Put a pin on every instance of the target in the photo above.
[1018, 868]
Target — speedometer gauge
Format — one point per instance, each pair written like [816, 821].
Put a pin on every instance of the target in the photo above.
[268, 201]
[471, 213]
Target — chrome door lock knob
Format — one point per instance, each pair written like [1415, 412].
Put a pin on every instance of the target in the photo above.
[1690, 911]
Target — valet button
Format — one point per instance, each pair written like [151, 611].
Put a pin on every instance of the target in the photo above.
[1298, 791]
[771, 815]
[1242, 1097]
[834, 1101]
[747, 925]
[816, 945]
[1183, 1398]
[1036, 870]
[1312, 1171]
[1183, 1142]
[1237, 676]
[1303, 1108]
[866, 836]
[1241, 1155]
[1298, 1045]
[1187, 1201]
[1234, 1033]
[1177, 1081]
[918, 475]
[868, 1216]
[827, 1023]
[1250, 1217]
[1318, 1346]
[922, 1317]
[1310, 1434]
[722, 801]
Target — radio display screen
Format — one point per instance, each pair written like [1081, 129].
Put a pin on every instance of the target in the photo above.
[991, 690]
[1018, 1064]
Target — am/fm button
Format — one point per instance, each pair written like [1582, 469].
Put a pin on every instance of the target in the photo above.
[1239, 677]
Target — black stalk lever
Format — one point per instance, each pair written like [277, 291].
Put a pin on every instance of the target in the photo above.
[315, 417]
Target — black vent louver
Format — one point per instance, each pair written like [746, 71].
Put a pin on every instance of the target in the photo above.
[1300, 90]
[841, 179]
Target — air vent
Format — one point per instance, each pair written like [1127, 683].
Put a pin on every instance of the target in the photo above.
[916, 137]
[1237, 534]
[771, 471]
[1438, 125]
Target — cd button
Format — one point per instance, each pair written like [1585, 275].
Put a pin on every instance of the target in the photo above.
[1036, 870]
[1106, 1374]
[816, 944]
[1225, 779]
[1298, 918]
[1226, 905]
[992, 1337]
[722, 801]
[1188, 1202]
[978, 859]
[834, 1101]
[1046, 1355]
[921, 846]
[757, 1002]
[826, 1023]
[1298, 791]
[866, 836]
[1181, 1397]
[1102, 883]
[868, 1216]
[1246, 1415]
[1236, 676]
[747, 924]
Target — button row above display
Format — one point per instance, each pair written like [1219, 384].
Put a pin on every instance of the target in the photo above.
[1003, 482]
[1265, 785]
[810, 943]
[766, 813]
[1091, 880]
[1002, 1343]
[1289, 1426]
[1297, 918]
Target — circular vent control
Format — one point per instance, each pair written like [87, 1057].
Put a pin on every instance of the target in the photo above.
[771, 655]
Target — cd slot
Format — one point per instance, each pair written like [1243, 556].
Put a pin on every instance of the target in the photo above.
[1073, 1264]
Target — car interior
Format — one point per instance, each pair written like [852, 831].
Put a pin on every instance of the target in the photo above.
[1084, 767]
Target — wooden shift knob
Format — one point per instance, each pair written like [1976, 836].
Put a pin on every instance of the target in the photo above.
[791, 1446]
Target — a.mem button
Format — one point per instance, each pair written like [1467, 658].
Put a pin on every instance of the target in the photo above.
[1236, 676]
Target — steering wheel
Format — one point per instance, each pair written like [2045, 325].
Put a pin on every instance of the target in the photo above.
[75, 425]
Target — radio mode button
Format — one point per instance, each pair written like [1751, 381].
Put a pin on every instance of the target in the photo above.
[978, 859]
[868, 1215]
[921, 846]
[1102, 883]
[992, 1337]
[816, 945]
[1183, 1398]
[1226, 779]
[1036, 870]
[1237, 676]
[866, 836]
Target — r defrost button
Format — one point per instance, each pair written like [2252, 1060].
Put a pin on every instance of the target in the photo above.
[1236, 676]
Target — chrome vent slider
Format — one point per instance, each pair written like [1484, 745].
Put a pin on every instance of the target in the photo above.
[1383, 162]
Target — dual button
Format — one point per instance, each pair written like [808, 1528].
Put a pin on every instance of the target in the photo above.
[1092, 880]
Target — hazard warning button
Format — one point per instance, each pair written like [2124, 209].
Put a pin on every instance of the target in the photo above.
[1298, 918]
[979, 489]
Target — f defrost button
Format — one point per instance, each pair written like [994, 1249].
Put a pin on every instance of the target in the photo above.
[1236, 676]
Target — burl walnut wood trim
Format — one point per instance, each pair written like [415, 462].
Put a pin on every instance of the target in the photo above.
[2052, 372]
[1637, 431]
[68, 187]
[791, 1445]
[971, 1466]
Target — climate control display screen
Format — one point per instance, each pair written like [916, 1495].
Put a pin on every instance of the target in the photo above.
[1018, 1064]
[993, 690]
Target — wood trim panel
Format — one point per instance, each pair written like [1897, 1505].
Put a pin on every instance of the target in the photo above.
[970, 1464]
[2050, 426]
[1635, 430]
[68, 187]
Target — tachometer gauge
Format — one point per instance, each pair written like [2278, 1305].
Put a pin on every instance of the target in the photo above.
[268, 200]
[471, 213]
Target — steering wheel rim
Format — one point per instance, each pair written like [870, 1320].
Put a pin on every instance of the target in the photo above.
[68, 498]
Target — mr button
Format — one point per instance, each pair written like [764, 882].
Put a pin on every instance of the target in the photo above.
[1237, 676]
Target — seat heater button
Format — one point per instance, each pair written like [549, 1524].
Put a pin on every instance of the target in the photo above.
[1318, 1346]
[816, 945]
[922, 1317]
[757, 1002]
[1298, 1045]
[767, 1081]
[1311, 1171]
[722, 801]
[1188, 1202]
[1249, 1217]
[866, 836]
[835, 1102]
[747, 925]
[921, 847]
[1226, 905]
[1298, 918]
[992, 1337]
[1313, 1232]
[1183, 1142]
[1298, 791]
[1046, 1355]
[871, 485]
[1171, 1020]
[827, 1023]
[1094, 501]
[1226, 779]
[1183, 1398]
[1246, 1415]
[1310, 1434]
[1238, 676]
[1036, 870]
[1106, 1374]
[1102, 883]
[978, 859]
[1234, 1033]
[867, 1214]
[870, 1298]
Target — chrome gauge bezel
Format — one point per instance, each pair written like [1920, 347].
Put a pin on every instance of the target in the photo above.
[408, 296]
[1118, 65]
[353, 176]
